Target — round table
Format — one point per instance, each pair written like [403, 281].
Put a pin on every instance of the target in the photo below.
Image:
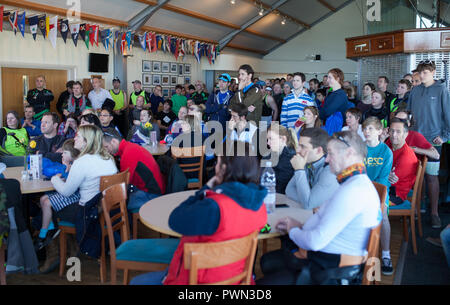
[155, 213]
[157, 150]
[28, 186]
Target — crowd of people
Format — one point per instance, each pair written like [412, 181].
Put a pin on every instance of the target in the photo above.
[328, 142]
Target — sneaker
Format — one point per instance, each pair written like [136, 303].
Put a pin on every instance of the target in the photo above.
[43, 242]
[434, 241]
[386, 266]
[435, 222]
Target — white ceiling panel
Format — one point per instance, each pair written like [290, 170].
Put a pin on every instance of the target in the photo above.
[271, 25]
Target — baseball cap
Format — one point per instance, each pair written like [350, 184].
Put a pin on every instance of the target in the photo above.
[268, 89]
[137, 81]
[225, 77]
[116, 79]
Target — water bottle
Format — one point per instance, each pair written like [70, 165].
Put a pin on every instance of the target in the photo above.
[268, 180]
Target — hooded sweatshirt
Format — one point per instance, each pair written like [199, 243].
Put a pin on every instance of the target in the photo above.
[430, 107]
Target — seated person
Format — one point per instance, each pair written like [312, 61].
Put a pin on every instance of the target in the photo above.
[13, 138]
[352, 118]
[197, 111]
[49, 142]
[106, 117]
[238, 127]
[77, 101]
[310, 119]
[377, 109]
[142, 134]
[175, 128]
[54, 201]
[229, 206]
[165, 117]
[404, 167]
[90, 119]
[131, 155]
[313, 182]
[32, 126]
[337, 234]
[280, 141]
[134, 115]
[379, 164]
[69, 128]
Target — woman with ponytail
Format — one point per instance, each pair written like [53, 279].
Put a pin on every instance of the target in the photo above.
[282, 142]
[337, 100]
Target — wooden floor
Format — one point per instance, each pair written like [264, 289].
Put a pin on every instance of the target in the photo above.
[90, 267]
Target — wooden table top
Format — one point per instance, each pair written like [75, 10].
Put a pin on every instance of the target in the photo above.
[28, 186]
[158, 150]
[155, 213]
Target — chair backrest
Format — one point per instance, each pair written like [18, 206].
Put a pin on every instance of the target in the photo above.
[216, 254]
[373, 246]
[417, 184]
[190, 152]
[107, 181]
[115, 197]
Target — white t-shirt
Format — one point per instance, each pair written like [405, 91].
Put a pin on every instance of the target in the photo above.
[359, 132]
[85, 175]
[97, 99]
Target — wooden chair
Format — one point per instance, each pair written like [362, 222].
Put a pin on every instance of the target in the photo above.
[419, 195]
[69, 228]
[135, 254]
[373, 247]
[211, 255]
[408, 208]
[2, 265]
[191, 152]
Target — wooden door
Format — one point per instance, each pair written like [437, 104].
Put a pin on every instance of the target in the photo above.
[16, 82]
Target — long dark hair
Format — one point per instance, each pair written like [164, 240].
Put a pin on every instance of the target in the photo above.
[242, 168]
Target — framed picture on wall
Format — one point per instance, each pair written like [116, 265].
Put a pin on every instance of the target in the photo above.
[173, 80]
[165, 81]
[156, 79]
[165, 67]
[187, 68]
[146, 79]
[148, 89]
[146, 66]
[156, 66]
[180, 80]
[165, 92]
[180, 69]
[174, 67]
[187, 80]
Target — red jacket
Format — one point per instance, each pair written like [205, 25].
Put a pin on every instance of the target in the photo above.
[130, 154]
[235, 222]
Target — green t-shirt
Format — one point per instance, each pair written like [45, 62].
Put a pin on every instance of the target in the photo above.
[178, 102]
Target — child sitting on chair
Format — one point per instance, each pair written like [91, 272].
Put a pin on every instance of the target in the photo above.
[141, 134]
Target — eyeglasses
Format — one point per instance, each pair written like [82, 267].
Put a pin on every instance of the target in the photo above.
[341, 138]
[426, 62]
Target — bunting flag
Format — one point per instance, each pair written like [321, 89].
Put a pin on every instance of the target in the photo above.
[197, 51]
[123, 42]
[75, 32]
[82, 31]
[93, 36]
[148, 41]
[33, 22]
[106, 36]
[87, 35]
[128, 39]
[41, 25]
[47, 25]
[13, 21]
[53, 30]
[2, 8]
[64, 29]
[21, 23]
[143, 40]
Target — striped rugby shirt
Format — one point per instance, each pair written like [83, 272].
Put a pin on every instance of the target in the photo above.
[293, 107]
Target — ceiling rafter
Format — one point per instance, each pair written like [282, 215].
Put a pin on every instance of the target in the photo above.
[135, 23]
[327, 5]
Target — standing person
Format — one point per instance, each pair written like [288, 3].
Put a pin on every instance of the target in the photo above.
[416, 78]
[277, 94]
[248, 94]
[295, 103]
[401, 99]
[287, 88]
[156, 99]
[13, 138]
[379, 164]
[77, 102]
[63, 97]
[336, 100]
[378, 108]
[382, 85]
[409, 77]
[353, 119]
[165, 117]
[239, 128]
[217, 104]
[121, 105]
[199, 96]
[49, 142]
[313, 87]
[32, 126]
[40, 98]
[178, 100]
[98, 95]
[366, 101]
[429, 104]
[270, 108]
[321, 94]
[138, 91]
[351, 94]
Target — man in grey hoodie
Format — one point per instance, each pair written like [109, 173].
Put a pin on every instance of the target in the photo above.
[313, 183]
[429, 104]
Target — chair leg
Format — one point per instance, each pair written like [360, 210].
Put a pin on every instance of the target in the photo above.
[113, 274]
[405, 229]
[264, 246]
[126, 276]
[419, 223]
[2, 265]
[103, 274]
[413, 234]
[62, 252]
[135, 224]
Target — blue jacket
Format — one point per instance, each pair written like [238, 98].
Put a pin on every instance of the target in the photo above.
[33, 132]
[334, 102]
[216, 111]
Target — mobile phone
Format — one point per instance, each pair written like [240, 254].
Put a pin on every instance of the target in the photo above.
[281, 205]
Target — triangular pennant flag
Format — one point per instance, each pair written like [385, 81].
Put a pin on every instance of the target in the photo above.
[21, 23]
[2, 8]
[41, 25]
[33, 22]
[148, 41]
[123, 42]
[128, 38]
[197, 51]
[13, 21]
[93, 36]
[143, 40]
[82, 31]
[64, 29]
[87, 36]
[47, 26]
[75, 31]
[53, 30]
[106, 36]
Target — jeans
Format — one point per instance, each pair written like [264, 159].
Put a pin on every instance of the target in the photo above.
[445, 238]
[138, 199]
[151, 278]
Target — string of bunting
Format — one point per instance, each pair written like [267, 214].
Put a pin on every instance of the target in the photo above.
[92, 34]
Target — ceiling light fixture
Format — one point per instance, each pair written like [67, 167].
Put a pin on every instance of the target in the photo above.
[261, 12]
[233, 1]
[283, 22]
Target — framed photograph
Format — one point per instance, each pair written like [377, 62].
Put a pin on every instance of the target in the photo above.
[187, 68]
[165, 92]
[165, 80]
[173, 80]
[445, 39]
[187, 80]
[180, 69]
[148, 89]
[156, 79]
[165, 67]
[174, 67]
[146, 79]
[156, 66]
[180, 80]
[146, 66]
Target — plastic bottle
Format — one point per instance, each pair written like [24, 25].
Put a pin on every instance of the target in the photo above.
[268, 180]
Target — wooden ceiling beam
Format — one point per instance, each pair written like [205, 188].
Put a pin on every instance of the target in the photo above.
[327, 5]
